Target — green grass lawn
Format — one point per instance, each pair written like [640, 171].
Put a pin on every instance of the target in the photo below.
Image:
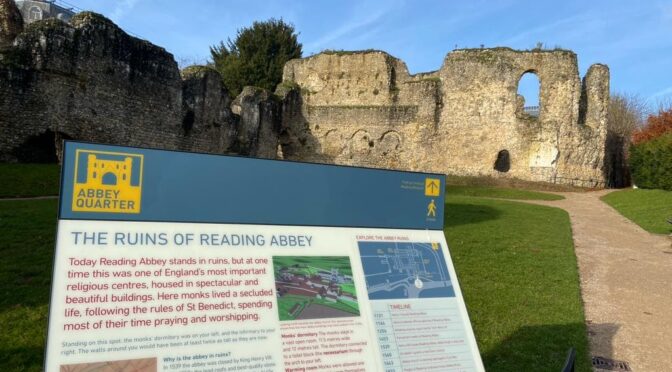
[27, 231]
[29, 180]
[500, 193]
[649, 209]
[515, 262]
[519, 277]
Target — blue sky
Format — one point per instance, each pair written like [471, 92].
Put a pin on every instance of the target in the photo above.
[633, 37]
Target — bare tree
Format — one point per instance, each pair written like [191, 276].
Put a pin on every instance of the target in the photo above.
[626, 113]
[664, 104]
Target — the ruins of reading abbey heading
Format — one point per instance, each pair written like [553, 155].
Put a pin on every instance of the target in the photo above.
[86, 79]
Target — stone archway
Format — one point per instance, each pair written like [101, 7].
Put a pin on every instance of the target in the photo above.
[46, 147]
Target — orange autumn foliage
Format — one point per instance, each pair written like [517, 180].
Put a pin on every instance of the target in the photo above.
[656, 126]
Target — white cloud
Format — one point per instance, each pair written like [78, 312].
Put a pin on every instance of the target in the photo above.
[527, 35]
[344, 30]
[356, 23]
[665, 11]
[123, 7]
[661, 93]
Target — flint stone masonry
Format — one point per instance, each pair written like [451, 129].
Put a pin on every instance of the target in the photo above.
[364, 108]
[88, 80]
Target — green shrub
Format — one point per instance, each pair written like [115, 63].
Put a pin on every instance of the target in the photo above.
[256, 56]
[651, 163]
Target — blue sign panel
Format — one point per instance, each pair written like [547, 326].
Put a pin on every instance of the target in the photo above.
[102, 182]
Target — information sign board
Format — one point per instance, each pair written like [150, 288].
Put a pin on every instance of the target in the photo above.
[174, 261]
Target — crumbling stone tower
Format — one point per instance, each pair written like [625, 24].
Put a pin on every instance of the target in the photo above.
[88, 80]
[364, 108]
[11, 23]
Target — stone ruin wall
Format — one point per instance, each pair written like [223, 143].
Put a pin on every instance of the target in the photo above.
[364, 108]
[88, 80]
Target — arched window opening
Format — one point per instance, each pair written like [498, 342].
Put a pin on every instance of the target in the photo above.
[188, 121]
[503, 162]
[40, 148]
[35, 13]
[528, 95]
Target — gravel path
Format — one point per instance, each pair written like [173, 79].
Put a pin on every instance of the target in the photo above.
[626, 283]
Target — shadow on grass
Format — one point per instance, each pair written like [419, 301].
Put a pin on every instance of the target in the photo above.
[545, 347]
[456, 214]
[22, 358]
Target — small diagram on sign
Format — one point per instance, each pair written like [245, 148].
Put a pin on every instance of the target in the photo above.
[314, 287]
[405, 270]
[133, 365]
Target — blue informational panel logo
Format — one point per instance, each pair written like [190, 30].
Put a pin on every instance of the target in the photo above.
[405, 270]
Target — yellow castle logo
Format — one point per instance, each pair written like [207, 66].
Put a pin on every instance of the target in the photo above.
[111, 182]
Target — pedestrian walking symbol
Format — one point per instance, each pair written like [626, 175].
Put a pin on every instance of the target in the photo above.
[431, 209]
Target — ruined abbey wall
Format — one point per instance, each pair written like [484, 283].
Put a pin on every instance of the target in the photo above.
[363, 108]
[89, 80]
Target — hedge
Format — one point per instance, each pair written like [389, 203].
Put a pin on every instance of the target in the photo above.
[651, 163]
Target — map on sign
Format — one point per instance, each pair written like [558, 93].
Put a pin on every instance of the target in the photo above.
[405, 270]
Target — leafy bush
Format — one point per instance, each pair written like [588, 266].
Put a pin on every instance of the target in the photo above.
[651, 163]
